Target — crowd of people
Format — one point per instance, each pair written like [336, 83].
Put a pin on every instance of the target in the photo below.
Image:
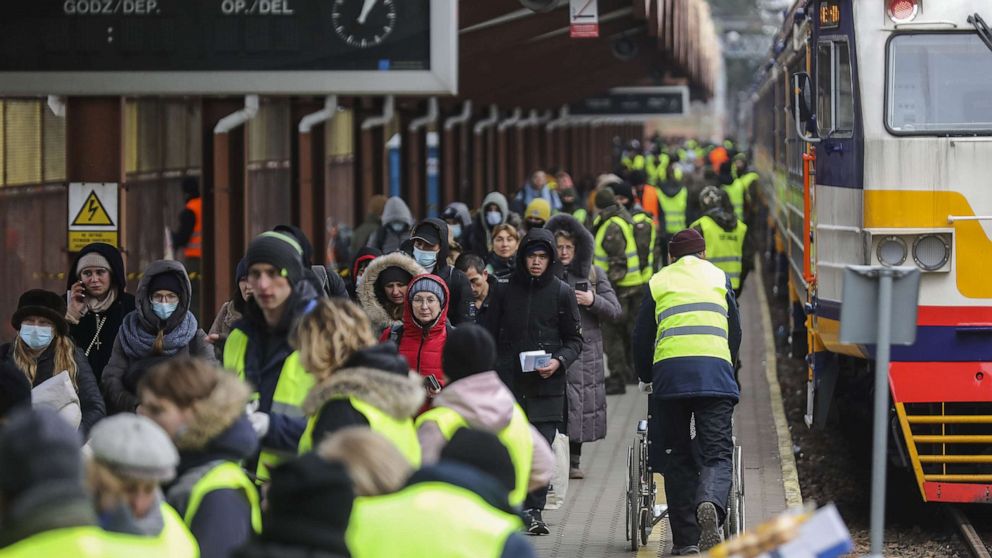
[418, 389]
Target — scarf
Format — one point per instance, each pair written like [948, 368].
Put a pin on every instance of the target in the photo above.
[137, 342]
[101, 306]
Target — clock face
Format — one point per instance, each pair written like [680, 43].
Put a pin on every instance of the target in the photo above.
[364, 23]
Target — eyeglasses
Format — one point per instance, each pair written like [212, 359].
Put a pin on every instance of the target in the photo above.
[165, 299]
[425, 301]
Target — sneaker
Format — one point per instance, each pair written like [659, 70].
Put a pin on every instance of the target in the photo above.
[709, 526]
[685, 550]
[537, 525]
[575, 473]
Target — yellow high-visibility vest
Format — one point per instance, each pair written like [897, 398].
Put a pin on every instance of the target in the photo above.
[690, 299]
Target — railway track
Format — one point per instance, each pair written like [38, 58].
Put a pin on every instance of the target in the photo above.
[969, 536]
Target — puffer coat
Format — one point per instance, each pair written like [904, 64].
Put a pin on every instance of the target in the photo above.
[422, 346]
[586, 389]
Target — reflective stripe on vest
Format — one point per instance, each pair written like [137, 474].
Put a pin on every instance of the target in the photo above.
[735, 191]
[647, 270]
[194, 249]
[674, 208]
[690, 298]
[724, 249]
[516, 438]
[225, 476]
[429, 520]
[602, 260]
[401, 433]
[291, 389]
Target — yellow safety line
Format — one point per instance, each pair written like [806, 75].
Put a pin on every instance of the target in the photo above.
[790, 475]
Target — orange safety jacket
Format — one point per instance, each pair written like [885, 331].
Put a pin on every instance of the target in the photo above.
[194, 249]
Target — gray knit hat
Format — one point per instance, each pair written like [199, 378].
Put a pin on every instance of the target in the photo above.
[134, 447]
[429, 284]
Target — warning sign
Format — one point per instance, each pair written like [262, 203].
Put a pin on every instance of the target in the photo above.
[92, 214]
[584, 19]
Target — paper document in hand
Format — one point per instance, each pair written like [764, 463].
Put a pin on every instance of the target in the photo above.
[532, 360]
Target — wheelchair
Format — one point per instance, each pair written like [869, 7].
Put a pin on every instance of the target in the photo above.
[641, 491]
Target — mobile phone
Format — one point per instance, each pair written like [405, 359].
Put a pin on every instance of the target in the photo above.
[582, 286]
[431, 384]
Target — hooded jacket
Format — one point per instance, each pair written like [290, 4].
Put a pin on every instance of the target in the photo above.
[462, 302]
[372, 297]
[399, 397]
[219, 432]
[535, 313]
[486, 404]
[385, 238]
[586, 390]
[122, 374]
[422, 346]
[481, 231]
[99, 347]
[464, 218]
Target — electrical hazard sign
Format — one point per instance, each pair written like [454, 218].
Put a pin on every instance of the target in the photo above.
[93, 215]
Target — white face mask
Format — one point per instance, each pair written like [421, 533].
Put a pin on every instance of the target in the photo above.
[494, 218]
[36, 337]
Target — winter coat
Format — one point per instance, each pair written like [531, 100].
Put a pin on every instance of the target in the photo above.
[90, 400]
[586, 392]
[486, 404]
[397, 396]
[372, 297]
[535, 313]
[464, 218]
[84, 333]
[385, 237]
[123, 372]
[227, 316]
[480, 232]
[219, 432]
[462, 302]
[500, 268]
[422, 346]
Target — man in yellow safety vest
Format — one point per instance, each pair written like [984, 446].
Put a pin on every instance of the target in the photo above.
[726, 237]
[686, 340]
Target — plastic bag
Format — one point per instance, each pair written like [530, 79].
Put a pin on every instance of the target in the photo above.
[58, 394]
[559, 481]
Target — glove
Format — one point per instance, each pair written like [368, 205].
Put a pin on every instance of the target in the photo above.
[645, 388]
[260, 423]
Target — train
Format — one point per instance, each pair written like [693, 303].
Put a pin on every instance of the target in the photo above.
[871, 128]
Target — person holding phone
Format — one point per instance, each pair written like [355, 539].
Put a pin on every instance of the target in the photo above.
[598, 303]
[96, 302]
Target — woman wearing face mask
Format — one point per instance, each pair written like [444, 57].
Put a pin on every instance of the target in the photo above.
[161, 328]
[231, 311]
[44, 349]
[425, 326]
[502, 259]
[382, 293]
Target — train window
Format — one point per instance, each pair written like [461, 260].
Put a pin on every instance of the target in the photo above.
[938, 84]
[834, 88]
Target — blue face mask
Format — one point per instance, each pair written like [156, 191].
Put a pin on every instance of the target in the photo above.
[36, 337]
[425, 258]
[494, 218]
[456, 230]
[164, 309]
[398, 226]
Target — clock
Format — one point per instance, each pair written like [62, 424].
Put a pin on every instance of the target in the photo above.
[363, 23]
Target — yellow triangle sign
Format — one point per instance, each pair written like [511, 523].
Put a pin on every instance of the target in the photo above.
[92, 213]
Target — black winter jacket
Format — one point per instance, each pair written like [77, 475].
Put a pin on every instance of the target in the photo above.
[535, 313]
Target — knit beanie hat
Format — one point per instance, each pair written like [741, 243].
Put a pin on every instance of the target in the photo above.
[384, 357]
[470, 349]
[605, 198]
[623, 189]
[309, 504]
[167, 281]
[279, 250]
[538, 208]
[38, 447]
[15, 389]
[484, 452]
[92, 259]
[134, 447]
[427, 284]
[686, 242]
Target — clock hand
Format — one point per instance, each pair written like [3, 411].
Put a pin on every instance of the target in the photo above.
[366, 8]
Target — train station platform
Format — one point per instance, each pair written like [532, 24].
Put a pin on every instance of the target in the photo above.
[591, 522]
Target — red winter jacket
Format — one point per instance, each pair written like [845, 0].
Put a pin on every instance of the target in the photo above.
[422, 348]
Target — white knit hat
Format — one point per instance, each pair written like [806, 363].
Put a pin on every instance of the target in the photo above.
[134, 447]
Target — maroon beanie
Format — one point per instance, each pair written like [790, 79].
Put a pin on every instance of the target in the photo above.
[686, 242]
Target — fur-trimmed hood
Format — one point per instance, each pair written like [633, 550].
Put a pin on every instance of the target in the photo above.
[215, 414]
[398, 396]
[582, 262]
[367, 295]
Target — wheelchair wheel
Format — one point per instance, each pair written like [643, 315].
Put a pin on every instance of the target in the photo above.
[733, 525]
[647, 495]
[633, 495]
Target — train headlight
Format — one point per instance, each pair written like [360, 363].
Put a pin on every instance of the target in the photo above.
[931, 252]
[901, 11]
[891, 251]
